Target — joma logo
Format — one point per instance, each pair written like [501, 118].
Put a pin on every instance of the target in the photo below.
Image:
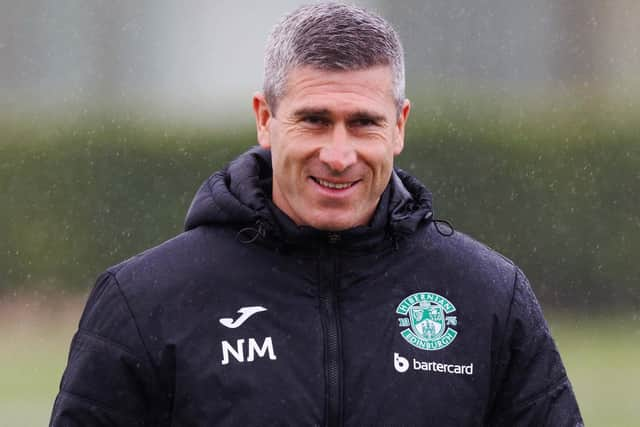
[254, 349]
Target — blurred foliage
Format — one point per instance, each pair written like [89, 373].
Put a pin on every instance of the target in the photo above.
[556, 192]
[77, 199]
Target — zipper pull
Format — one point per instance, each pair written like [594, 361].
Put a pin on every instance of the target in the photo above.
[333, 238]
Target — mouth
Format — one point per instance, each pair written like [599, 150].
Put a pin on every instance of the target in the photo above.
[333, 185]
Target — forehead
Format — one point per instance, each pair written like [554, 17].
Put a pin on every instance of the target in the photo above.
[313, 88]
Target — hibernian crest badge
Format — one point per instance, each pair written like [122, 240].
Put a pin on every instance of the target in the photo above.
[427, 321]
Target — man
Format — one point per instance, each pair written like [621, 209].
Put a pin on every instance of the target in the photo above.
[312, 285]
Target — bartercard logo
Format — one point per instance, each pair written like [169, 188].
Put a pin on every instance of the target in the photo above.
[402, 365]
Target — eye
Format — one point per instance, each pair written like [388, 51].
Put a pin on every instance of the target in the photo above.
[363, 122]
[315, 120]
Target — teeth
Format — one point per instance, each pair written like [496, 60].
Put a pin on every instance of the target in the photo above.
[332, 185]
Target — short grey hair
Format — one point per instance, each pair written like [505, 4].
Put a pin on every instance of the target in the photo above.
[331, 36]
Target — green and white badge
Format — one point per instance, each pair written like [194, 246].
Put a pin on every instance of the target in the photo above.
[427, 321]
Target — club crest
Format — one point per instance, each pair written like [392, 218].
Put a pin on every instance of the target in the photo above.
[427, 321]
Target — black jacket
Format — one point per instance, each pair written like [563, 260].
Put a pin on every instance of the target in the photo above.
[399, 323]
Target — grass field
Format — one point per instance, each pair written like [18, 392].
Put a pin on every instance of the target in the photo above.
[601, 355]
[34, 334]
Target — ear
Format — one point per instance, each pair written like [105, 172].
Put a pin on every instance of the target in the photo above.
[400, 127]
[263, 119]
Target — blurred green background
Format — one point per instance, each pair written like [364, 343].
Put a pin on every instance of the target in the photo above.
[556, 192]
[524, 126]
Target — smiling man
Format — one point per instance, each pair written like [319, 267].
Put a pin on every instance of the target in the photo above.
[312, 285]
[332, 143]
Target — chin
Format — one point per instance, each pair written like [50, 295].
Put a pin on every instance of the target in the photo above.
[332, 227]
[330, 223]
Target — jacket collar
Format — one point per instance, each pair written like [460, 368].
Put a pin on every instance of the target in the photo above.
[240, 196]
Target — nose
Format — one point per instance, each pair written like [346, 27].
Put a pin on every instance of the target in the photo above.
[339, 152]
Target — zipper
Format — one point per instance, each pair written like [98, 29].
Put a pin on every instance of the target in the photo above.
[333, 341]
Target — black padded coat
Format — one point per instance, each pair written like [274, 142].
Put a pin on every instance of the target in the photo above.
[246, 319]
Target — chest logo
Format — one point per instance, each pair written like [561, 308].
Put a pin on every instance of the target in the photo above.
[245, 313]
[427, 321]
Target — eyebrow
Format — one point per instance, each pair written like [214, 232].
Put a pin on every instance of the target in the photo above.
[323, 112]
[363, 114]
[304, 112]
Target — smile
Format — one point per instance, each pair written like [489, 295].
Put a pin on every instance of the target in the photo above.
[333, 185]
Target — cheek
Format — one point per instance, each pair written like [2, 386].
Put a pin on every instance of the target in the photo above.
[379, 156]
[287, 165]
[384, 166]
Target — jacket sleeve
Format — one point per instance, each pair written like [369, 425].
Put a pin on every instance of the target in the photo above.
[107, 380]
[531, 386]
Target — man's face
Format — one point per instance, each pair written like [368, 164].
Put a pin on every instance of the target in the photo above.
[332, 142]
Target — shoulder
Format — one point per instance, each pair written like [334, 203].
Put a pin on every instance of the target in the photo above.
[461, 252]
[462, 269]
[161, 271]
[174, 255]
[138, 296]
